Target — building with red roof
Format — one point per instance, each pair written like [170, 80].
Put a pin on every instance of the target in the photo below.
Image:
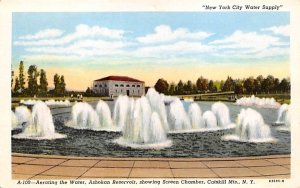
[114, 86]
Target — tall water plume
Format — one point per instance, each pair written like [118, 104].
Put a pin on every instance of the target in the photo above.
[282, 113]
[210, 120]
[195, 115]
[250, 128]
[41, 124]
[157, 104]
[120, 111]
[104, 116]
[222, 114]
[84, 117]
[14, 121]
[23, 116]
[143, 127]
[178, 118]
[284, 117]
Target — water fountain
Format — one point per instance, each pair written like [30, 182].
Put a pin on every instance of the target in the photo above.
[222, 114]
[250, 128]
[41, 124]
[143, 127]
[120, 111]
[287, 120]
[216, 119]
[84, 117]
[14, 121]
[283, 117]
[210, 120]
[157, 104]
[166, 98]
[23, 116]
[58, 103]
[258, 102]
[104, 115]
[195, 115]
[178, 118]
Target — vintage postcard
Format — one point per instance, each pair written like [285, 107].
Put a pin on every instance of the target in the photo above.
[126, 93]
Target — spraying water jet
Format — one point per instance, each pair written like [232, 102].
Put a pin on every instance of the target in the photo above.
[41, 124]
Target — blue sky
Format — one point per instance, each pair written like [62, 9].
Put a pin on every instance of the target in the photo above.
[115, 41]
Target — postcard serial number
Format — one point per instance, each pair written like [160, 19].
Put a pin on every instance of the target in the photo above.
[276, 181]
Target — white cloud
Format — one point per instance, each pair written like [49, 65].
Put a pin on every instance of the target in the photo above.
[273, 52]
[164, 33]
[251, 42]
[97, 42]
[250, 45]
[81, 31]
[83, 48]
[176, 49]
[46, 58]
[265, 53]
[47, 33]
[279, 30]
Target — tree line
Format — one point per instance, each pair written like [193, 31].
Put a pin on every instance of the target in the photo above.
[250, 85]
[37, 84]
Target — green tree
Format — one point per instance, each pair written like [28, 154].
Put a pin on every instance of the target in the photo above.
[268, 84]
[228, 85]
[172, 88]
[249, 85]
[161, 86]
[56, 81]
[33, 75]
[62, 85]
[218, 84]
[59, 85]
[257, 86]
[43, 88]
[276, 85]
[188, 86]
[221, 85]
[21, 77]
[89, 92]
[284, 85]
[238, 88]
[17, 86]
[211, 86]
[202, 84]
[194, 90]
[179, 87]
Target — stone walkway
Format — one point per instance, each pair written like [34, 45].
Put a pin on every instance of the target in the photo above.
[27, 166]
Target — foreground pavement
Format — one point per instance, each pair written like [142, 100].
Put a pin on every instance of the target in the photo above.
[27, 166]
